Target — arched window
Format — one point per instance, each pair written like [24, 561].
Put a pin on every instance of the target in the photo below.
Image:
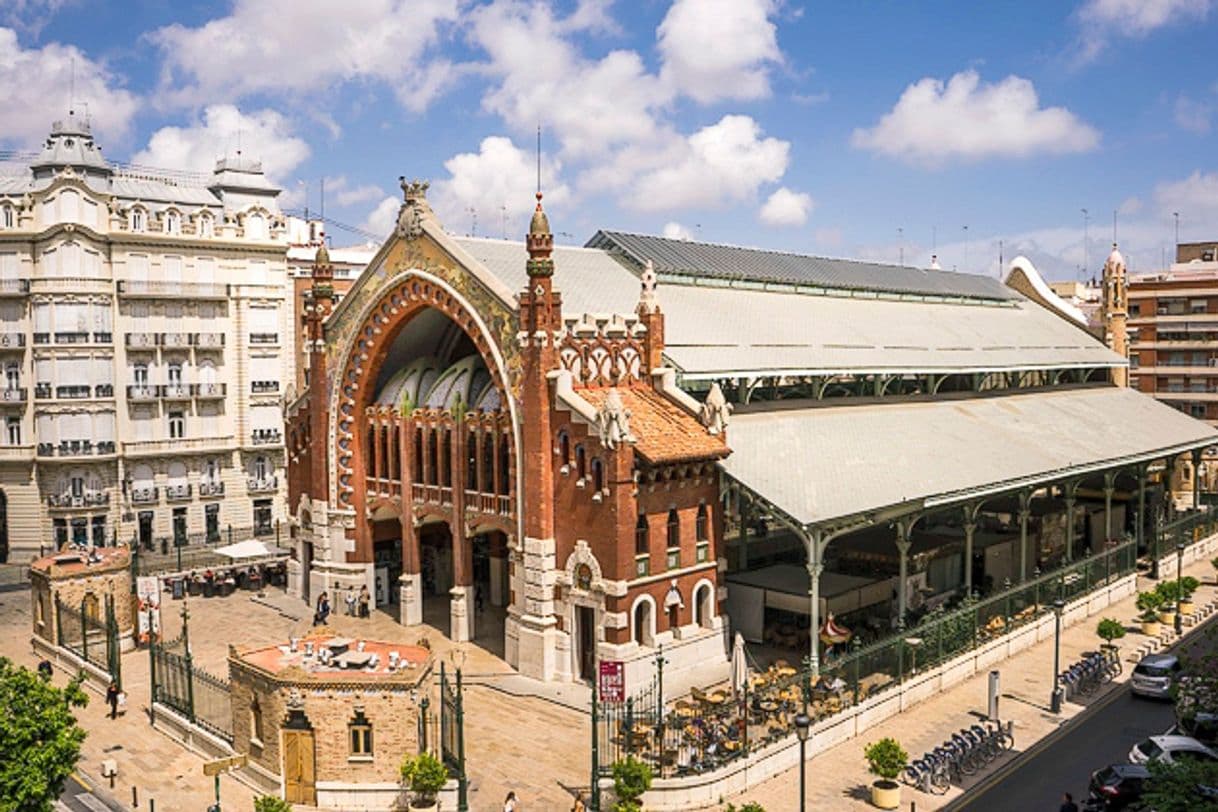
[173, 222]
[598, 476]
[255, 226]
[255, 722]
[471, 460]
[488, 462]
[581, 462]
[702, 525]
[360, 735]
[418, 456]
[564, 448]
[446, 461]
[91, 607]
[206, 226]
[642, 536]
[644, 623]
[674, 529]
[702, 605]
[8, 218]
[505, 466]
[138, 219]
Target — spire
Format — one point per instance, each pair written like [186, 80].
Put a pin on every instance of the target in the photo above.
[647, 295]
[322, 269]
[540, 243]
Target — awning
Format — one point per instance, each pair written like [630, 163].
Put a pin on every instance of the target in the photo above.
[251, 548]
[823, 464]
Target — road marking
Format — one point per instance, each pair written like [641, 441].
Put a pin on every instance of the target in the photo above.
[90, 800]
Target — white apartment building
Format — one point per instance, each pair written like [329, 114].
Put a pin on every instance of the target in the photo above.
[144, 338]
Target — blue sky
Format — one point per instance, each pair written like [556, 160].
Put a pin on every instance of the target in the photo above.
[850, 129]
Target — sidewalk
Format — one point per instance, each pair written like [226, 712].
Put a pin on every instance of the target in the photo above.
[838, 778]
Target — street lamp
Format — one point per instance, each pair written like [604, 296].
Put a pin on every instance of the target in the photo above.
[1179, 593]
[803, 728]
[1055, 700]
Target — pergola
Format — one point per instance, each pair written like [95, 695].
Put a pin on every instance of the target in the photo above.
[825, 471]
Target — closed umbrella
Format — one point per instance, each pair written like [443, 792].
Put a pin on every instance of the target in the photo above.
[740, 666]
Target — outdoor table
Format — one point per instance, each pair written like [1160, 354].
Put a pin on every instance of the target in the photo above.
[353, 659]
[786, 671]
[687, 712]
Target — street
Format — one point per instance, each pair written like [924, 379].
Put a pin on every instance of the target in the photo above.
[1103, 738]
[76, 797]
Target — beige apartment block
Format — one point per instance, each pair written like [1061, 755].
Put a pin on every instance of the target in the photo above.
[145, 344]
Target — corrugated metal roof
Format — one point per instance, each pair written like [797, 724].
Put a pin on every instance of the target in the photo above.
[713, 331]
[703, 260]
[821, 464]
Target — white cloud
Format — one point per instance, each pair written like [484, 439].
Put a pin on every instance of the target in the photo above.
[786, 208]
[31, 15]
[1130, 205]
[719, 49]
[1193, 115]
[1195, 197]
[347, 195]
[675, 231]
[383, 217]
[933, 122]
[1103, 20]
[498, 175]
[34, 88]
[264, 135]
[303, 46]
[723, 163]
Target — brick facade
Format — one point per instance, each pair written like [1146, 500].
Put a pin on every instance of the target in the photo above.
[73, 581]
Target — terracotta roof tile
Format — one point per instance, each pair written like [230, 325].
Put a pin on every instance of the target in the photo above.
[664, 431]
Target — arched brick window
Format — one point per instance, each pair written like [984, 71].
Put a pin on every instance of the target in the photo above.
[674, 529]
[642, 536]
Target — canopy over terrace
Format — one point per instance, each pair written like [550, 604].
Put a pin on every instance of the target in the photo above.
[827, 470]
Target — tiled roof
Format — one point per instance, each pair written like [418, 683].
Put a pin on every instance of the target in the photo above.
[664, 432]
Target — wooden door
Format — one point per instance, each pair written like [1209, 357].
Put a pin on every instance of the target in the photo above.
[587, 641]
[299, 778]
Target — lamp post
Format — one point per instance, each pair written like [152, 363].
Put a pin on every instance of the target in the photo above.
[1179, 581]
[803, 728]
[1055, 700]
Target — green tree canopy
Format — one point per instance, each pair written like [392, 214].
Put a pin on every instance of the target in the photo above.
[1183, 786]
[39, 738]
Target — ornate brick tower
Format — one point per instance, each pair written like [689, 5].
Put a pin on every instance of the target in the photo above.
[537, 635]
[1116, 312]
[320, 304]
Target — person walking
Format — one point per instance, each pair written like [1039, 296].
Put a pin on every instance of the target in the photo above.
[510, 804]
[112, 699]
[44, 669]
[579, 805]
[1068, 804]
[350, 601]
[323, 610]
[364, 599]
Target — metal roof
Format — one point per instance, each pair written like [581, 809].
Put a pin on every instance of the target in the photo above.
[726, 263]
[823, 464]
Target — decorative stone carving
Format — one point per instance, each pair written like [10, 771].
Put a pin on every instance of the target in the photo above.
[716, 411]
[295, 699]
[613, 421]
[647, 296]
[410, 217]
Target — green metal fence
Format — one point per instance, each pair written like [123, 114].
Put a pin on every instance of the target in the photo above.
[90, 631]
[178, 683]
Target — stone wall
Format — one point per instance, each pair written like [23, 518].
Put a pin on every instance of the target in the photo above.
[72, 584]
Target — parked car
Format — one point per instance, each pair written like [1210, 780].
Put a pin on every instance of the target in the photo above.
[1170, 749]
[1155, 675]
[1117, 786]
[1201, 726]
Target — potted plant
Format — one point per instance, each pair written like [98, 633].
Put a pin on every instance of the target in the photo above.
[1148, 604]
[631, 778]
[270, 803]
[1169, 592]
[424, 775]
[886, 760]
[1110, 629]
[1188, 585]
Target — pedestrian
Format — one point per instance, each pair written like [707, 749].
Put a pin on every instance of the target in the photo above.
[44, 669]
[112, 699]
[478, 598]
[350, 601]
[509, 803]
[364, 598]
[323, 610]
[1068, 804]
[579, 805]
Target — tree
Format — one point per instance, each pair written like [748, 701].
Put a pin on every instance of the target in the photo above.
[1110, 629]
[270, 803]
[1183, 786]
[631, 778]
[39, 738]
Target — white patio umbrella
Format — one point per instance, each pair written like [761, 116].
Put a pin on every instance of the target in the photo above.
[740, 665]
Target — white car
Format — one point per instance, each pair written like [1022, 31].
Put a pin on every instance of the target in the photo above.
[1169, 749]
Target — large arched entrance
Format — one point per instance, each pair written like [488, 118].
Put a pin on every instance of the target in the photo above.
[426, 457]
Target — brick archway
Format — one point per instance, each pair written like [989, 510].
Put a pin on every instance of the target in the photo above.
[398, 304]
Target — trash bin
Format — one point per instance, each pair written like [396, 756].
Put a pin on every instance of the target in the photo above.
[179, 588]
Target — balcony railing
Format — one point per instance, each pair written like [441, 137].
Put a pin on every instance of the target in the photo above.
[86, 499]
[16, 452]
[176, 340]
[144, 496]
[267, 436]
[12, 341]
[42, 391]
[149, 289]
[105, 447]
[177, 493]
[76, 337]
[42, 338]
[209, 341]
[142, 391]
[14, 287]
[264, 338]
[263, 484]
[142, 341]
[176, 391]
[103, 337]
[210, 390]
[179, 445]
[14, 394]
[264, 387]
[72, 391]
[103, 390]
[211, 488]
[76, 448]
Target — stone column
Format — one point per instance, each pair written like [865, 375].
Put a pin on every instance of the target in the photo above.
[970, 528]
[904, 530]
[1025, 512]
[410, 583]
[1109, 488]
[815, 567]
[1071, 500]
[1196, 458]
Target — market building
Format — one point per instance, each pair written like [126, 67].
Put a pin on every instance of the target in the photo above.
[633, 445]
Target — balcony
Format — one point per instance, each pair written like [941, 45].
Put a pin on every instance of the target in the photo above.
[211, 488]
[177, 493]
[149, 289]
[142, 392]
[176, 391]
[176, 340]
[177, 446]
[148, 495]
[142, 341]
[42, 338]
[76, 448]
[75, 337]
[103, 390]
[76, 391]
[207, 391]
[42, 391]
[14, 287]
[14, 394]
[16, 453]
[103, 337]
[267, 484]
[105, 447]
[87, 499]
[266, 437]
[264, 338]
[264, 387]
[209, 341]
[12, 341]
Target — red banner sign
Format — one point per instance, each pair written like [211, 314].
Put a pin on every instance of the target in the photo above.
[612, 681]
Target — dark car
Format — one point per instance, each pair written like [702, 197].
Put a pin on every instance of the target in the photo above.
[1118, 785]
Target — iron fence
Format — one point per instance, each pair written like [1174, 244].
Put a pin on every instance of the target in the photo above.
[91, 633]
[178, 683]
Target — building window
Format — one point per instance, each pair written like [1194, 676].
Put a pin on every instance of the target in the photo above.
[179, 527]
[1135, 310]
[173, 222]
[207, 226]
[138, 220]
[643, 623]
[177, 425]
[261, 472]
[61, 532]
[7, 219]
[140, 374]
[255, 722]
[99, 531]
[262, 517]
[564, 448]
[175, 373]
[211, 514]
[702, 526]
[581, 462]
[598, 476]
[642, 536]
[360, 736]
[13, 425]
[674, 529]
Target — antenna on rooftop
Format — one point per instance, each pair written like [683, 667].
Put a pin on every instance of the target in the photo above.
[72, 87]
[901, 241]
[503, 217]
[934, 238]
[323, 198]
[539, 158]
[1086, 255]
[1114, 232]
[1000, 259]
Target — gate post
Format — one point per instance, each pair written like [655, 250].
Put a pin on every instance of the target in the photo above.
[58, 621]
[594, 803]
[190, 676]
[462, 781]
[84, 632]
